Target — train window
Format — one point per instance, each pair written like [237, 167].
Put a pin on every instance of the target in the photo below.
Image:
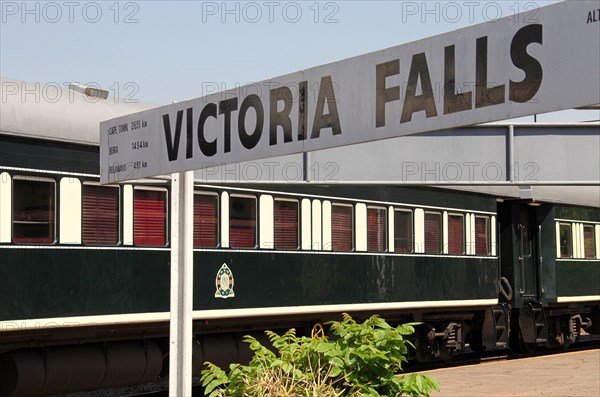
[149, 217]
[482, 235]
[566, 240]
[34, 210]
[456, 234]
[206, 219]
[376, 229]
[342, 227]
[100, 214]
[589, 242]
[286, 224]
[433, 235]
[242, 222]
[403, 231]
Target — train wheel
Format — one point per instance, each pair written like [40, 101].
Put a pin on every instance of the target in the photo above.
[475, 343]
[520, 342]
[532, 327]
[516, 341]
[525, 346]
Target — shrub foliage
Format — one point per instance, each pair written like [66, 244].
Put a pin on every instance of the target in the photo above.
[362, 360]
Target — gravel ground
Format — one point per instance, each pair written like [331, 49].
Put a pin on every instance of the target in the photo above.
[574, 374]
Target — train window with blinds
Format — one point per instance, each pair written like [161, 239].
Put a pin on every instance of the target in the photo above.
[482, 235]
[150, 217]
[456, 234]
[242, 222]
[206, 219]
[589, 242]
[376, 229]
[342, 227]
[100, 215]
[566, 240]
[34, 210]
[286, 224]
[403, 231]
[433, 232]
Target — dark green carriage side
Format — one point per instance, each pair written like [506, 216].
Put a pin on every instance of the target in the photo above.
[264, 279]
[577, 277]
[44, 282]
[40, 154]
[37, 283]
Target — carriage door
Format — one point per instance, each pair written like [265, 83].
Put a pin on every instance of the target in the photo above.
[527, 232]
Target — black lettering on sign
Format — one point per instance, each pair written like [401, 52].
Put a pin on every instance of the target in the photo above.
[302, 113]
[522, 91]
[172, 143]
[331, 119]
[226, 107]
[189, 152]
[384, 95]
[250, 140]
[207, 148]
[593, 16]
[416, 103]
[281, 118]
[485, 96]
[454, 102]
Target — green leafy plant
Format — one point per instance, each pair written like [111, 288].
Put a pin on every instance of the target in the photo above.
[363, 360]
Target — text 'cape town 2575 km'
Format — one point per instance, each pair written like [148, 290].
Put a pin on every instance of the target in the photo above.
[524, 64]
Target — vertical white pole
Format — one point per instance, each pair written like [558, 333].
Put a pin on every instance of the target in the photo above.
[180, 356]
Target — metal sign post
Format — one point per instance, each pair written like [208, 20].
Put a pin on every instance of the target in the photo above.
[182, 268]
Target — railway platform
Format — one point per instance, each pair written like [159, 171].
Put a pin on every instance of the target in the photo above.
[569, 374]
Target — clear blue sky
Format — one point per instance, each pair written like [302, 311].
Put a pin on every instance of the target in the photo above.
[159, 51]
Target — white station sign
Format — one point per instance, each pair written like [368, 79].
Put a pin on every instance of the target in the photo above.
[529, 63]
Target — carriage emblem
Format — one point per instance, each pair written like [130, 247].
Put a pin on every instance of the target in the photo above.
[224, 283]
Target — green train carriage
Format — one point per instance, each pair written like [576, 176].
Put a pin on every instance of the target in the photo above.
[84, 268]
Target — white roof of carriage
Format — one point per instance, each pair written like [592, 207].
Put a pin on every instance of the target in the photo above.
[53, 111]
